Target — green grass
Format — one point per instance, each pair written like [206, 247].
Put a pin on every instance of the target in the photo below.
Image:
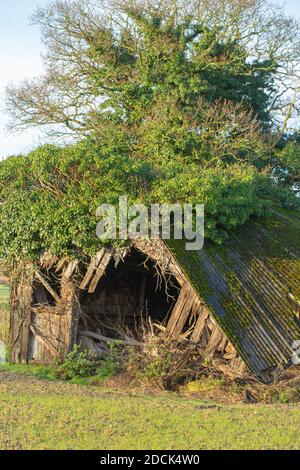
[4, 313]
[4, 296]
[53, 415]
[4, 290]
[40, 372]
[48, 373]
[4, 293]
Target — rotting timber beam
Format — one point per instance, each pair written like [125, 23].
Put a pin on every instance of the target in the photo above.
[200, 324]
[187, 304]
[20, 312]
[96, 270]
[70, 294]
[215, 339]
[91, 269]
[100, 271]
[70, 269]
[181, 310]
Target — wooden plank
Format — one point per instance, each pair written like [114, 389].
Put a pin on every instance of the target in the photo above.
[58, 331]
[90, 271]
[200, 324]
[100, 271]
[92, 334]
[196, 308]
[46, 284]
[69, 271]
[14, 324]
[177, 309]
[214, 341]
[47, 309]
[71, 293]
[61, 263]
[222, 345]
[43, 340]
[183, 316]
[229, 348]
[20, 317]
[25, 340]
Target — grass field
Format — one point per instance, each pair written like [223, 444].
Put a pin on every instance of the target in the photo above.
[41, 414]
[38, 413]
[4, 313]
[4, 292]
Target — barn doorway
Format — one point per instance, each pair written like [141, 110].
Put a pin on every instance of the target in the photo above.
[128, 295]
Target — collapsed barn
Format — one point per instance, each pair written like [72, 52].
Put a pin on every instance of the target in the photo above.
[238, 301]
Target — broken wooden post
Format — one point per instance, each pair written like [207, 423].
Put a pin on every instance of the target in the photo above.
[91, 269]
[100, 271]
[20, 315]
[180, 311]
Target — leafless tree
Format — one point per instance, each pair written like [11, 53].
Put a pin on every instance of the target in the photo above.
[84, 39]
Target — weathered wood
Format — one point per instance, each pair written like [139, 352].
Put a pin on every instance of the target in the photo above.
[214, 341]
[100, 271]
[48, 310]
[210, 323]
[69, 325]
[14, 324]
[61, 263]
[185, 312]
[91, 269]
[196, 307]
[47, 286]
[43, 340]
[177, 310]
[229, 348]
[26, 324]
[229, 356]
[70, 269]
[182, 337]
[20, 316]
[228, 370]
[56, 325]
[223, 344]
[91, 334]
[200, 324]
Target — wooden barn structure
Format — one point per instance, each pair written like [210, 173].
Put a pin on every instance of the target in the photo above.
[239, 301]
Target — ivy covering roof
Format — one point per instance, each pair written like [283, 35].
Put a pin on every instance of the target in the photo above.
[251, 285]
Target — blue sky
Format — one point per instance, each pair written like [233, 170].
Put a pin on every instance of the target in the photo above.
[20, 49]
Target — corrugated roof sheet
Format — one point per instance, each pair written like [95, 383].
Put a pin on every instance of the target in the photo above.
[245, 283]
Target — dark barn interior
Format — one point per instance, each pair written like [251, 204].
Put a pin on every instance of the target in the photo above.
[129, 293]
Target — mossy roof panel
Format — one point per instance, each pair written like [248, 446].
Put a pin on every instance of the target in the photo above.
[245, 283]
